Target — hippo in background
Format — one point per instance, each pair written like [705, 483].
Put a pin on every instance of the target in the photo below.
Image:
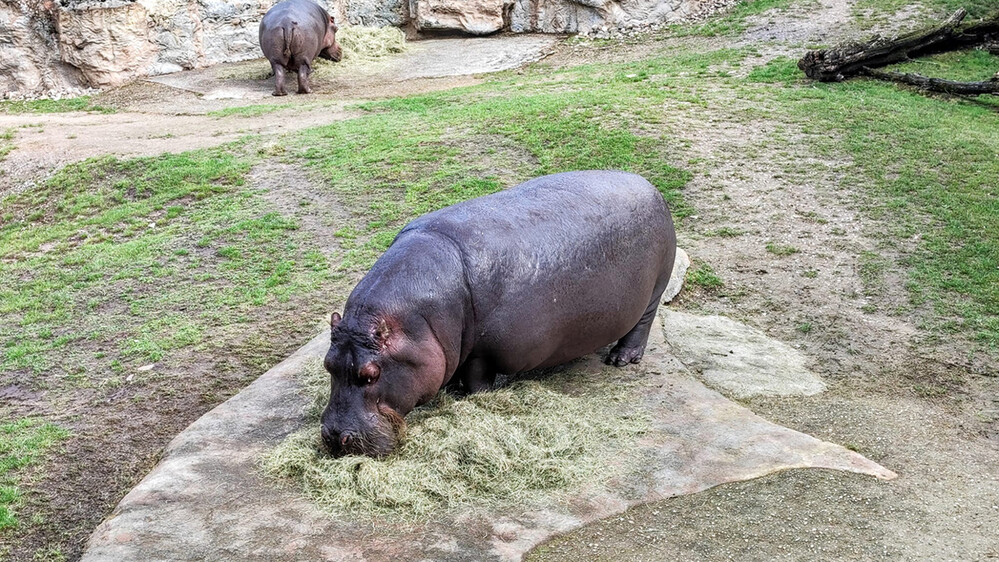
[530, 277]
[292, 34]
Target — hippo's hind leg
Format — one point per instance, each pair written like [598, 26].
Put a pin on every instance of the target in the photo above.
[304, 70]
[631, 347]
[476, 375]
[279, 74]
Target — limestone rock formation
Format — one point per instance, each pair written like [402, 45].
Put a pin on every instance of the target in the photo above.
[475, 17]
[108, 45]
[50, 46]
[29, 51]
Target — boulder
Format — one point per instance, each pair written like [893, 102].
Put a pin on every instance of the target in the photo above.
[372, 13]
[107, 43]
[475, 17]
[585, 16]
[29, 50]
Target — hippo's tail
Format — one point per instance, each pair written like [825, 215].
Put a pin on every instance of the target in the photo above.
[289, 37]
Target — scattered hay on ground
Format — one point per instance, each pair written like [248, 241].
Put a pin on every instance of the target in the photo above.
[516, 444]
[362, 46]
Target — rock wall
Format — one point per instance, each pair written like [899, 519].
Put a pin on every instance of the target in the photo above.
[50, 46]
[29, 50]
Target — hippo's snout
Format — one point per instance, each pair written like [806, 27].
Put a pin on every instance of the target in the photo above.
[340, 443]
[336, 53]
[377, 440]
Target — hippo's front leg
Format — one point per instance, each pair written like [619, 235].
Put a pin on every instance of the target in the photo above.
[279, 73]
[303, 79]
[476, 375]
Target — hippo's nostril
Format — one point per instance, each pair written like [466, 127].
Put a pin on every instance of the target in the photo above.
[345, 439]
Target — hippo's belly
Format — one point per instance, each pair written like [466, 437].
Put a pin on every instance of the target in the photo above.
[559, 266]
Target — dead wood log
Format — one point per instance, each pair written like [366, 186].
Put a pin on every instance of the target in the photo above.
[937, 84]
[839, 63]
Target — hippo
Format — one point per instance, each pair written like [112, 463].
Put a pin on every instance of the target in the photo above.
[292, 34]
[534, 276]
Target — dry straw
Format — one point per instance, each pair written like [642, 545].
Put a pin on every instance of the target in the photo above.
[518, 444]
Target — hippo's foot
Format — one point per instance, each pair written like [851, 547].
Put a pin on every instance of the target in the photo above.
[620, 356]
[279, 93]
[305, 90]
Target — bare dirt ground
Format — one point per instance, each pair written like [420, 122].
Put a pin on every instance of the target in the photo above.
[884, 400]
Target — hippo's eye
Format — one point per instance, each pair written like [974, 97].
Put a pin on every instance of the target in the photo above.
[368, 374]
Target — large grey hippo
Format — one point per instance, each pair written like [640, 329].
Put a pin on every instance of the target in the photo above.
[534, 276]
[292, 34]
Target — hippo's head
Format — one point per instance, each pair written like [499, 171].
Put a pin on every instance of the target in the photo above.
[331, 49]
[379, 372]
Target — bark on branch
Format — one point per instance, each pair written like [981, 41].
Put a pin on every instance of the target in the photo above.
[938, 84]
[840, 63]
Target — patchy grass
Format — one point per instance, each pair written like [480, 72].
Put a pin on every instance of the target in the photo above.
[250, 110]
[928, 12]
[138, 258]
[704, 276]
[23, 443]
[781, 249]
[733, 21]
[929, 168]
[395, 176]
[82, 103]
[970, 65]
[540, 439]
[726, 232]
[6, 144]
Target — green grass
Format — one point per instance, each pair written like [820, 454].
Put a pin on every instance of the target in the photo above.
[250, 110]
[930, 12]
[23, 443]
[928, 171]
[139, 258]
[971, 65]
[733, 21]
[82, 103]
[726, 232]
[781, 249]
[515, 445]
[6, 144]
[417, 154]
[704, 276]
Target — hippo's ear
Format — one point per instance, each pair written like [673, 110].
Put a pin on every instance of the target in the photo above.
[335, 320]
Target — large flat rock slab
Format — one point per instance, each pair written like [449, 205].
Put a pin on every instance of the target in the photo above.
[208, 500]
[737, 359]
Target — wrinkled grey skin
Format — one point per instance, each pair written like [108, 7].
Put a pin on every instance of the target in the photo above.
[292, 34]
[533, 276]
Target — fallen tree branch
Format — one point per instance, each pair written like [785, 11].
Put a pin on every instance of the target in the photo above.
[839, 63]
[937, 84]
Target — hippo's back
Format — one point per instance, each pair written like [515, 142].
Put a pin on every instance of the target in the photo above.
[295, 25]
[559, 265]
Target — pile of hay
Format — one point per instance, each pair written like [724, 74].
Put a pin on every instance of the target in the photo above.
[520, 443]
[362, 47]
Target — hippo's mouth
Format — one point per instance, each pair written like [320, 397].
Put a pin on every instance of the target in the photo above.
[379, 440]
[335, 56]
